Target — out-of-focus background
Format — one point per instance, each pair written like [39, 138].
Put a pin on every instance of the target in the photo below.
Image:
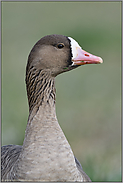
[88, 101]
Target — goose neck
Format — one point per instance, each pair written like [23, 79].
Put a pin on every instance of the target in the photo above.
[40, 90]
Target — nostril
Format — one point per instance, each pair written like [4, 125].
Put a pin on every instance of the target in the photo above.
[86, 55]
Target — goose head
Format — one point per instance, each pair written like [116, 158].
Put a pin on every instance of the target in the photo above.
[56, 54]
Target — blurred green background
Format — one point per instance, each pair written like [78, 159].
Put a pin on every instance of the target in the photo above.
[88, 99]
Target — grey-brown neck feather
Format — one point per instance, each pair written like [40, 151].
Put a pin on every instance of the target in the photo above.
[40, 88]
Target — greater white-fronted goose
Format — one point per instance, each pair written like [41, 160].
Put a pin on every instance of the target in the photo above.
[46, 154]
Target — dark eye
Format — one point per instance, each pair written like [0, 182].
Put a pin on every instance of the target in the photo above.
[60, 45]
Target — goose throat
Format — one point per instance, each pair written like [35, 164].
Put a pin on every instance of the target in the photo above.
[40, 88]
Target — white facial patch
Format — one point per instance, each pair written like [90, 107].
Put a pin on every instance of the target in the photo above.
[74, 46]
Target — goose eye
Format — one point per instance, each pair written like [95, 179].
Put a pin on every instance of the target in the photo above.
[60, 45]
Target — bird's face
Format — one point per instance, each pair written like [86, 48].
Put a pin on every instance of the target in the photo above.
[57, 54]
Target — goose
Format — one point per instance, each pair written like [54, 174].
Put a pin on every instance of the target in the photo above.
[46, 154]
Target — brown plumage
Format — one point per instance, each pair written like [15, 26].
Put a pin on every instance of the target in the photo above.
[46, 154]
